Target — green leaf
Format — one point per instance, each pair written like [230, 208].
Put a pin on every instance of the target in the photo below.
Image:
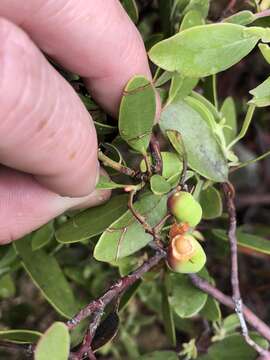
[191, 19]
[261, 94]
[181, 87]
[250, 241]
[211, 203]
[176, 84]
[126, 235]
[8, 258]
[104, 129]
[164, 78]
[42, 236]
[137, 113]
[204, 112]
[204, 50]
[202, 99]
[20, 336]
[92, 222]
[159, 355]
[245, 126]
[132, 9]
[167, 314]
[105, 183]
[54, 343]
[265, 50]
[48, 277]
[7, 287]
[159, 185]
[211, 311]
[129, 294]
[244, 17]
[106, 331]
[186, 300]
[229, 112]
[234, 347]
[171, 164]
[201, 6]
[152, 40]
[177, 142]
[203, 151]
[231, 323]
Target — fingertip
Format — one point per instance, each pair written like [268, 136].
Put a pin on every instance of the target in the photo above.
[95, 198]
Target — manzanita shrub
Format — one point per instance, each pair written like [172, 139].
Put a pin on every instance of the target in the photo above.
[161, 237]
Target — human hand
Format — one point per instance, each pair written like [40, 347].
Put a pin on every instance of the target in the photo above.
[48, 145]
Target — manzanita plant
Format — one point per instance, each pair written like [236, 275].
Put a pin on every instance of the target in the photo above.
[161, 237]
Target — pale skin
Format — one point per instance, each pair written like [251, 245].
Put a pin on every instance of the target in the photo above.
[48, 145]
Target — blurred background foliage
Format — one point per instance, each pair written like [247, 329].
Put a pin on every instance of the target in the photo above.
[142, 327]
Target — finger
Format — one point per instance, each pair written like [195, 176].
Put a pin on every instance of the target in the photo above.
[26, 205]
[45, 130]
[95, 39]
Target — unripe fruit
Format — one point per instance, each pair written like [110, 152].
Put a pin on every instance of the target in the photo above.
[185, 208]
[185, 254]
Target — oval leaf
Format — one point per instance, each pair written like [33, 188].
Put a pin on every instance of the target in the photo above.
[186, 300]
[137, 113]
[234, 347]
[211, 203]
[228, 110]
[105, 183]
[48, 277]
[244, 17]
[92, 222]
[261, 94]
[203, 151]
[54, 343]
[265, 50]
[42, 236]
[202, 6]
[211, 311]
[204, 50]
[20, 336]
[250, 241]
[159, 185]
[191, 19]
[126, 235]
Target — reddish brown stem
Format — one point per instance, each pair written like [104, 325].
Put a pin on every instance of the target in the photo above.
[116, 290]
[236, 295]
[106, 161]
[156, 155]
[251, 318]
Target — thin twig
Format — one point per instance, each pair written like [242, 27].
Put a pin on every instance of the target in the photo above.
[251, 318]
[116, 290]
[236, 295]
[262, 14]
[115, 165]
[148, 229]
[85, 348]
[156, 155]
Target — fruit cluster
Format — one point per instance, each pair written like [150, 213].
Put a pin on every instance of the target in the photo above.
[185, 254]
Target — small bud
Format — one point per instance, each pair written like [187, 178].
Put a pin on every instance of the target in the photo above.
[185, 208]
[185, 254]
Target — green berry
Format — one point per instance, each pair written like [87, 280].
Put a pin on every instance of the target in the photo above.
[185, 208]
[185, 254]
